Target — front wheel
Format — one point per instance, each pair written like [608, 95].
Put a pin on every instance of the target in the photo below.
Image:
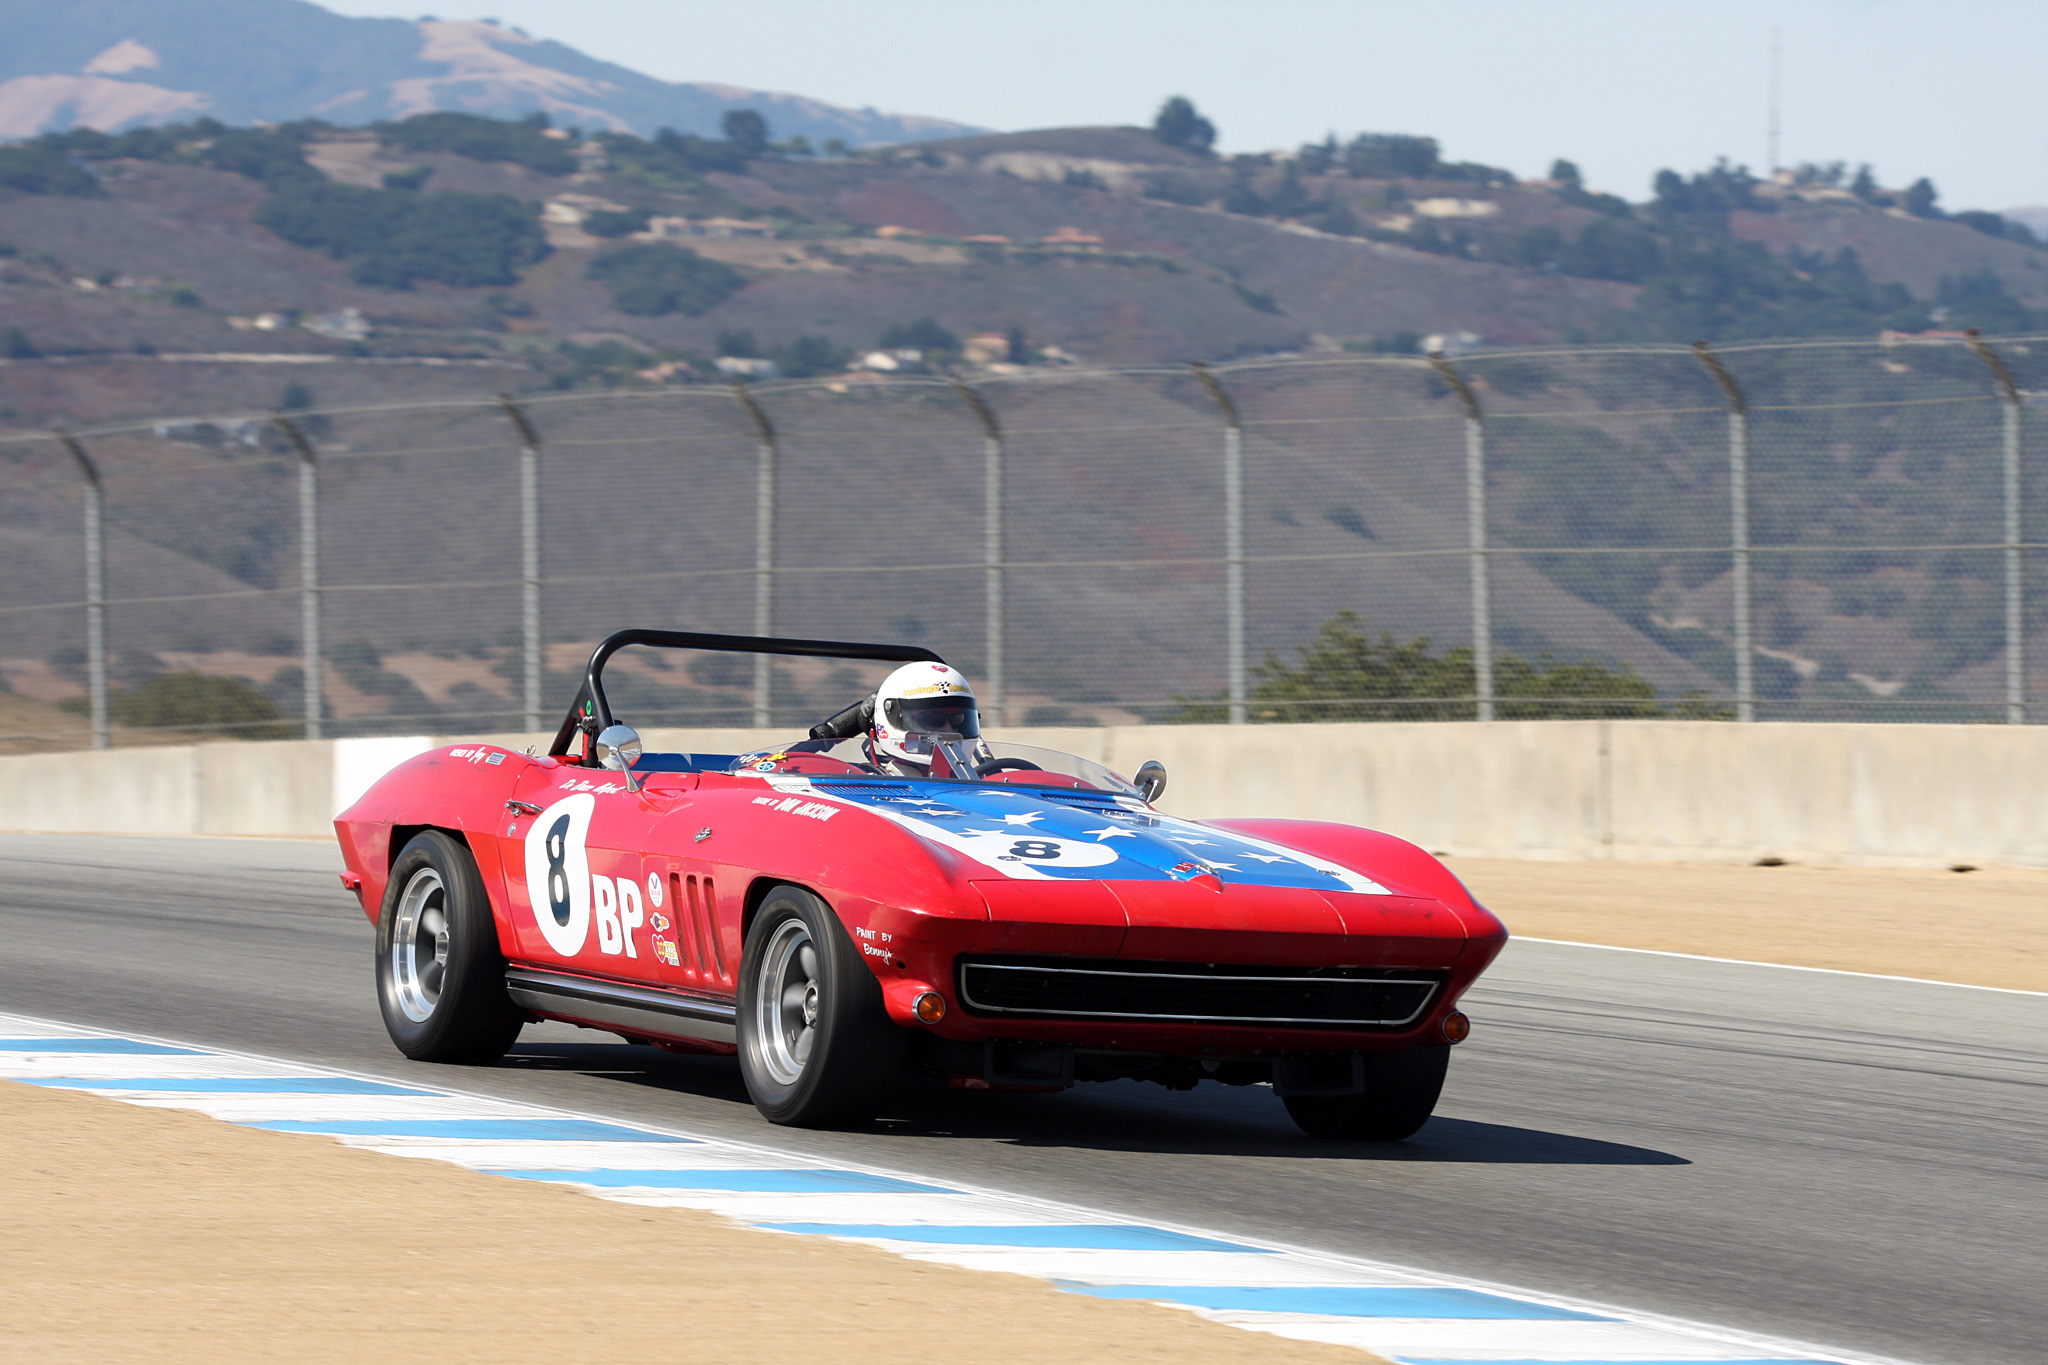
[1401, 1090]
[817, 1049]
[440, 976]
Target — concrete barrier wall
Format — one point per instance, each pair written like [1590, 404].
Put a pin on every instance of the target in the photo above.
[1646, 791]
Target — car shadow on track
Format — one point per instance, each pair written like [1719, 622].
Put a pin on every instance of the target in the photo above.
[1128, 1117]
[1122, 1116]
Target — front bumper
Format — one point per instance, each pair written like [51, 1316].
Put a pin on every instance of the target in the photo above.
[1187, 970]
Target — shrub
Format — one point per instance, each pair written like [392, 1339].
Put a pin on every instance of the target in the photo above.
[1179, 125]
[483, 139]
[617, 222]
[391, 238]
[273, 156]
[657, 278]
[923, 335]
[228, 707]
[36, 169]
[810, 355]
[1346, 674]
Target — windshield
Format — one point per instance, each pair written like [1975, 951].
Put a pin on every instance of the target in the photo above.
[1017, 762]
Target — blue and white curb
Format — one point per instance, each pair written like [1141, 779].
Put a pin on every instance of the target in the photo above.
[1410, 1316]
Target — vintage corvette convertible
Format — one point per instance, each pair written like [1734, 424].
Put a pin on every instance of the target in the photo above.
[1020, 920]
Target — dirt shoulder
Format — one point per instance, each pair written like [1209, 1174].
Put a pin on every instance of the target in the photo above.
[1982, 928]
[148, 1234]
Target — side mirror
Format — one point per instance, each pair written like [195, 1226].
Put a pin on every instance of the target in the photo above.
[1151, 780]
[617, 750]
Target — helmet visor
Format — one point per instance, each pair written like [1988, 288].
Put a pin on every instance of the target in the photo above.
[933, 716]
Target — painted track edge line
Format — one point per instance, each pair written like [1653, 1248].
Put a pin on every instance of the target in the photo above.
[1780, 966]
[1767, 1345]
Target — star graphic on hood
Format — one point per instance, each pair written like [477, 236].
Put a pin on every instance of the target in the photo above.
[1027, 818]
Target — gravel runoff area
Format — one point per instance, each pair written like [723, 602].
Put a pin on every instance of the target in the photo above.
[1980, 927]
[153, 1234]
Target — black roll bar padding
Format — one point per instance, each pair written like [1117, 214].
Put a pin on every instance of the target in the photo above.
[856, 719]
[591, 712]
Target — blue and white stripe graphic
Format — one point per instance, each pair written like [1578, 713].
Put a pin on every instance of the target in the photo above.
[1067, 834]
[1409, 1316]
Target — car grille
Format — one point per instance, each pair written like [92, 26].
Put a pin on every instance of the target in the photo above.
[1107, 988]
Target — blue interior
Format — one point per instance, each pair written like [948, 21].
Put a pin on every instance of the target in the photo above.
[684, 763]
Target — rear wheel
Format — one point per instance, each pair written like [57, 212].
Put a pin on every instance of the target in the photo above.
[817, 1049]
[1401, 1090]
[440, 977]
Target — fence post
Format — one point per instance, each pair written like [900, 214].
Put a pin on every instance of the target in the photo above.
[1738, 528]
[764, 547]
[309, 566]
[2015, 621]
[529, 558]
[1233, 541]
[95, 589]
[992, 551]
[1475, 535]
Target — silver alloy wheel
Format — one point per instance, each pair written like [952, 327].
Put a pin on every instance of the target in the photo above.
[419, 945]
[786, 1003]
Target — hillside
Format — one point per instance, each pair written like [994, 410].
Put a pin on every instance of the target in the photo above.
[201, 269]
[1104, 243]
[117, 64]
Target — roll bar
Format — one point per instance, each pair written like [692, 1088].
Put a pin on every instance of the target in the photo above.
[591, 712]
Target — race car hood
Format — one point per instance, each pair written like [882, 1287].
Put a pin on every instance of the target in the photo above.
[1058, 834]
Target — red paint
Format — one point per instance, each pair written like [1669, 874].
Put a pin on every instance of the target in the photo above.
[916, 906]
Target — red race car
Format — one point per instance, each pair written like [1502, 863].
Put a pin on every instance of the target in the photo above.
[1000, 916]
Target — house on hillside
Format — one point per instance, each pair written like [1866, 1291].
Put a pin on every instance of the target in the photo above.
[715, 229]
[569, 210]
[1071, 239]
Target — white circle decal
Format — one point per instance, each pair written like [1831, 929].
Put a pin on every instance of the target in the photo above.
[1029, 847]
[558, 872]
[654, 889]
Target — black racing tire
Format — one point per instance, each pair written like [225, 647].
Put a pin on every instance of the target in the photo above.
[817, 1048]
[440, 976]
[1401, 1090]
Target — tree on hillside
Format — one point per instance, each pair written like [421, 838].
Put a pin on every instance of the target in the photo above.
[1178, 125]
[1919, 199]
[746, 130]
[658, 278]
[1389, 156]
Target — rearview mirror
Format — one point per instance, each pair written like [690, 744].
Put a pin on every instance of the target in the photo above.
[1151, 780]
[617, 749]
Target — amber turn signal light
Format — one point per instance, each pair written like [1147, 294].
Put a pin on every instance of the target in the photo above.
[1456, 1026]
[930, 1007]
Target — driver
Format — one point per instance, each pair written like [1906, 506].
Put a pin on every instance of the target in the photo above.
[917, 708]
[921, 722]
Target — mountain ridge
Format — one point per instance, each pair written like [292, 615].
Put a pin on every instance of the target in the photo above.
[120, 64]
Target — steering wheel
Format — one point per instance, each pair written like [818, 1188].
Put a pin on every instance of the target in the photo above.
[1003, 765]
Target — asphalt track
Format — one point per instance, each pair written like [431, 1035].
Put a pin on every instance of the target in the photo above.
[1855, 1162]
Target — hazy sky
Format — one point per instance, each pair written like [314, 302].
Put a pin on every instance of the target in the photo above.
[1951, 89]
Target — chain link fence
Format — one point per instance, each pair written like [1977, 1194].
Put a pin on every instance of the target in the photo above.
[1823, 531]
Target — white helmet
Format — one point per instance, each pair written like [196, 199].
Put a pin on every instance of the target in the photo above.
[920, 702]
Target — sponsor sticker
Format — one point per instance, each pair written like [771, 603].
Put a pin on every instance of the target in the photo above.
[796, 805]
